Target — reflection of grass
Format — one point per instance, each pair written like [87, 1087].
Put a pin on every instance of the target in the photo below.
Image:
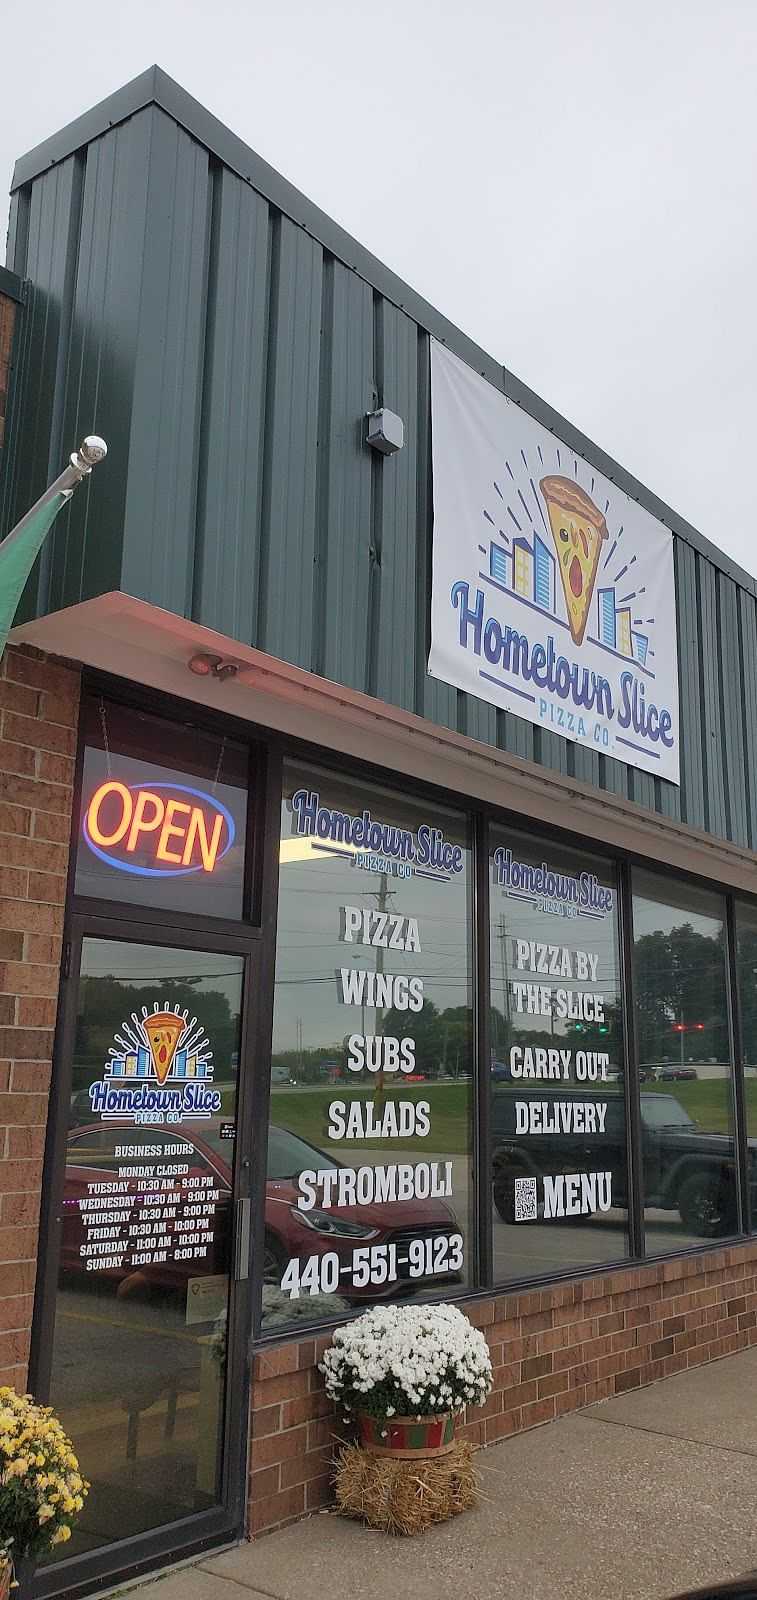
[306, 1112]
[708, 1101]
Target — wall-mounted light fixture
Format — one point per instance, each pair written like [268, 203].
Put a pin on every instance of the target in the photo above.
[207, 666]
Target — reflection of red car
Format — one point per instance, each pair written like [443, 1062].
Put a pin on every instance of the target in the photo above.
[103, 1210]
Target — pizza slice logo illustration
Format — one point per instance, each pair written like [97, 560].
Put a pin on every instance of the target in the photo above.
[164, 1030]
[578, 529]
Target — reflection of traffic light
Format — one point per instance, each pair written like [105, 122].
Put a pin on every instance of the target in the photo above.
[603, 1028]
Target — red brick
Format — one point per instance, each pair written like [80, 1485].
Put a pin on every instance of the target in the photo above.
[11, 945]
[22, 790]
[50, 828]
[38, 734]
[14, 882]
[302, 1410]
[17, 1207]
[60, 708]
[29, 1110]
[536, 1367]
[301, 1468]
[54, 768]
[25, 1143]
[25, 977]
[503, 1426]
[276, 1508]
[540, 1411]
[26, 666]
[14, 820]
[265, 1482]
[41, 947]
[47, 886]
[318, 1491]
[277, 1447]
[30, 1077]
[556, 1384]
[274, 1363]
[627, 1380]
[18, 1244]
[17, 759]
[270, 1391]
[28, 916]
[26, 1044]
[18, 697]
[34, 1012]
[15, 1310]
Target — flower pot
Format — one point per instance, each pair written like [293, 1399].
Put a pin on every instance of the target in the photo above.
[6, 1577]
[408, 1438]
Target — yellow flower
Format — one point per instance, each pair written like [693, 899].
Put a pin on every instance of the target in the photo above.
[46, 1511]
[61, 1534]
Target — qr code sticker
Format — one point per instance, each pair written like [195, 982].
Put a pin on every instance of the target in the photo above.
[525, 1200]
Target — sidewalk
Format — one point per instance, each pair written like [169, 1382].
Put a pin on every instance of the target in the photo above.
[636, 1498]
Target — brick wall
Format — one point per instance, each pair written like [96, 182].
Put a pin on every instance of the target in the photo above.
[39, 703]
[8, 310]
[553, 1350]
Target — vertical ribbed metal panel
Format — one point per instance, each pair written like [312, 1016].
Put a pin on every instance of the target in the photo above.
[232, 443]
[285, 601]
[729, 673]
[433, 699]
[159, 524]
[343, 540]
[99, 370]
[400, 530]
[747, 616]
[709, 678]
[692, 776]
[39, 252]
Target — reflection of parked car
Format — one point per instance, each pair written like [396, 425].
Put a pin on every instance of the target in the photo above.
[673, 1074]
[684, 1169]
[92, 1161]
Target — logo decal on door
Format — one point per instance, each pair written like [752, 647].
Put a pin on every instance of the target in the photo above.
[160, 1070]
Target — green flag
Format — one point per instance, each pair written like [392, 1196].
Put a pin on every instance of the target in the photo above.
[18, 554]
[19, 551]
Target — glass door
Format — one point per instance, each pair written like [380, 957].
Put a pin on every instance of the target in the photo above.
[140, 1345]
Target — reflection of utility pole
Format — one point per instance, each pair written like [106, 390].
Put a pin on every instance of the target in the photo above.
[299, 1048]
[382, 896]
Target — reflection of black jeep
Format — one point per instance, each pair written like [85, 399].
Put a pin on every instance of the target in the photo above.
[684, 1169]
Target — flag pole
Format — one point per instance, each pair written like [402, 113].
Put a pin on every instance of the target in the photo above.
[20, 549]
[80, 464]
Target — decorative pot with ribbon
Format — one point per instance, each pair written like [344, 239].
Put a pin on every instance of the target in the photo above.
[408, 1438]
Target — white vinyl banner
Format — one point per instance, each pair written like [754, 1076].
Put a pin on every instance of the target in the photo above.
[552, 592]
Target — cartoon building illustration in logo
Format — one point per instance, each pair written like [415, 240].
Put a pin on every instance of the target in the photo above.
[158, 1043]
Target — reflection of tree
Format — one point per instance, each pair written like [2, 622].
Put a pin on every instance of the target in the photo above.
[606, 1036]
[104, 1003]
[442, 1038]
[680, 977]
[747, 959]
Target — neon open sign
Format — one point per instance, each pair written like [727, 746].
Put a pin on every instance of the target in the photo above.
[179, 829]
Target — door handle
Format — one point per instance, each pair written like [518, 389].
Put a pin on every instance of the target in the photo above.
[242, 1240]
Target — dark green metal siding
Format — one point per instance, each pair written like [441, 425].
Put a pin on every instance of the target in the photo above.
[228, 340]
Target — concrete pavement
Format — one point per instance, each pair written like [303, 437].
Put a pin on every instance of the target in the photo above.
[636, 1498]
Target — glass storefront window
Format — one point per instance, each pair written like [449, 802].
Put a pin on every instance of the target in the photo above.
[163, 813]
[685, 1071]
[557, 1093]
[369, 1177]
[746, 959]
[139, 1347]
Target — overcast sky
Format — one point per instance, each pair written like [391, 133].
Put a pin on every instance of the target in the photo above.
[574, 186]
